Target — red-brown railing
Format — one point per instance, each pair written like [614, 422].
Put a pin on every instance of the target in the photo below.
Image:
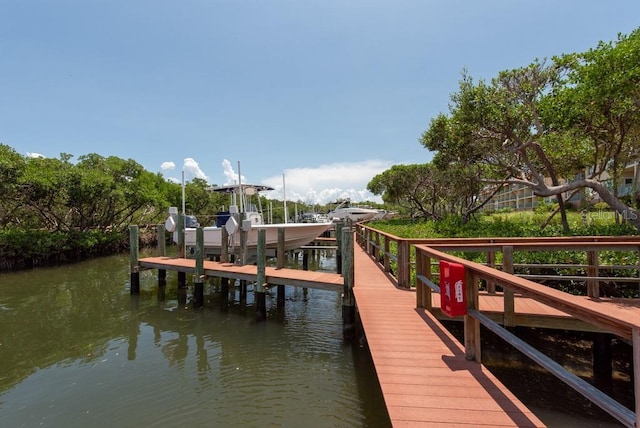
[415, 260]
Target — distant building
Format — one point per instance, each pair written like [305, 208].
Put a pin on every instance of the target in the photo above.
[518, 197]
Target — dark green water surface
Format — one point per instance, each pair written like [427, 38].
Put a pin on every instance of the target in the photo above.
[76, 350]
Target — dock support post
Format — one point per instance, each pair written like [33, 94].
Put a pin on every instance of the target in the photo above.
[280, 253]
[602, 362]
[198, 279]
[243, 291]
[338, 227]
[182, 276]
[305, 259]
[224, 258]
[182, 279]
[635, 341]
[162, 251]
[133, 258]
[348, 299]
[162, 277]
[244, 248]
[261, 278]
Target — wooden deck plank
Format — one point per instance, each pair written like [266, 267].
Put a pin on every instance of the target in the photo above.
[421, 367]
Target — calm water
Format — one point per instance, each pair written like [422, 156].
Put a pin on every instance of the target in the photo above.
[76, 350]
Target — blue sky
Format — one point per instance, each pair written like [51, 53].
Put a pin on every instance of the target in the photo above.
[326, 94]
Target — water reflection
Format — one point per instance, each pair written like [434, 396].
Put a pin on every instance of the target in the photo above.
[78, 350]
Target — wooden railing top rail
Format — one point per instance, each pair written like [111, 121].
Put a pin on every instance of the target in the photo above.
[629, 239]
[537, 245]
[604, 313]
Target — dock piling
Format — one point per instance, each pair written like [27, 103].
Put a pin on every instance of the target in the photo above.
[348, 299]
[198, 280]
[261, 278]
[133, 258]
[162, 251]
[338, 227]
[182, 276]
[280, 256]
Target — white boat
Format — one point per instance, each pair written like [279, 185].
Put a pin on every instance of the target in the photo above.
[244, 215]
[344, 210]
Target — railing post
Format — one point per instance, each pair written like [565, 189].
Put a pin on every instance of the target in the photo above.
[593, 285]
[509, 319]
[491, 262]
[472, 343]
[376, 248]
[420, 287]
[387, 240]
[403, 263]
[367, 240]
[423, 292]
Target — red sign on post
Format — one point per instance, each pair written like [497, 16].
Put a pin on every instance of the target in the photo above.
[452, 289]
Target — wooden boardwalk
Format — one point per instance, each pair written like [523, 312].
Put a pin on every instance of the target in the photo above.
[421, 367]
[295, 277]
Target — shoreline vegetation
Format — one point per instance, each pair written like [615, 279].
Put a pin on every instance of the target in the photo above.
[29, 248]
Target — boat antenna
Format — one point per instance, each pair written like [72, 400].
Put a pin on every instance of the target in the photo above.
[184, 213]
[240, 189]
[284, 199]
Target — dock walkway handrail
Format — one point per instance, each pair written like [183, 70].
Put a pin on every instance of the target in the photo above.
[397, 255]
[603, 313]
[606, 315]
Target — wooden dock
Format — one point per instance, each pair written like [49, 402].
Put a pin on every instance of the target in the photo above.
[274, 276]
[422, 370]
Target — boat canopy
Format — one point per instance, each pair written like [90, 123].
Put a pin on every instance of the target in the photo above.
[233, 188]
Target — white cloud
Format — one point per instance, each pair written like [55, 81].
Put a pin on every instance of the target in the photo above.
[313, 185]
[167, 166]
[231, 177]
[192, 170]
[326, 183]
[35, 155]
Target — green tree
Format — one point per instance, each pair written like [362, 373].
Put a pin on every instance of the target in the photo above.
[545, 125]
[428, 191]
[44, 185]
[599, 105]
[12, 167]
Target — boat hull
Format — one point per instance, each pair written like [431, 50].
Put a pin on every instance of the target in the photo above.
[296, 235]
